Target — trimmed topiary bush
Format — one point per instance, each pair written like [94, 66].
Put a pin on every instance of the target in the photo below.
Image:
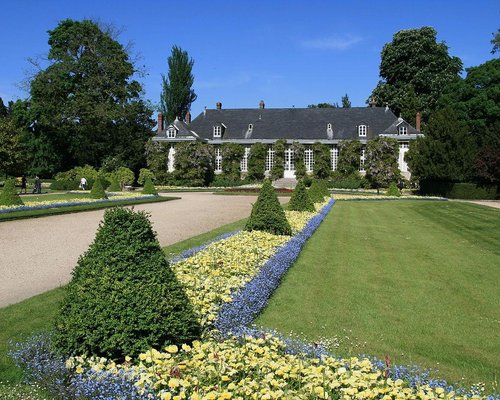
[267, 214]
[115, 186]
[393, 190]
[9, 195]
[149, 188]
[318, 191]
[123, 298]
[300, 200]
[97, 191]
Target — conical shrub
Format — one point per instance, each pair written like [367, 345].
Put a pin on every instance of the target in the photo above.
[318, 191]
[9, 195]
[97, 191]
[149, 188]
[123, 297]
[267, 214]
[300, 200]
[393, 190]
[115, 186]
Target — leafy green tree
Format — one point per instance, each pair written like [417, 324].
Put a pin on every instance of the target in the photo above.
[447, 151]
[157, 158]
[349, 157]
[267, 214]
[414, 59]
[323, 105]
[300, 200]
[300, 166]
[321, 168]
[177, 94]
[495, 42]
[487, 162]
[123, 175]
[278, 168]
[257, 162]
[123, 298]
[13, 151]
[144, 175]
[346, 103]
[232, 154]
[4, 111]
[9, 195]
[194, 163]
[381, 162]
[86, 106]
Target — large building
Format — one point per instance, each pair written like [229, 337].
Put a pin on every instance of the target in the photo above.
[304, 125]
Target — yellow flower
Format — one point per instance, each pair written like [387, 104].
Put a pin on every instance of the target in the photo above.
[172, 348]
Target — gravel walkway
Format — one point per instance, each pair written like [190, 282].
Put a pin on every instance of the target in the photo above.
[39, 254]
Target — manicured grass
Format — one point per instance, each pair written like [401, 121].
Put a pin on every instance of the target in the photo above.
[71, 209]
[36, 314]
[412, 279]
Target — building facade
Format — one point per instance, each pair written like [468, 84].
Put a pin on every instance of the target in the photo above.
[306, 126]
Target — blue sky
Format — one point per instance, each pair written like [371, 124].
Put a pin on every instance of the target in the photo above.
[288, 53]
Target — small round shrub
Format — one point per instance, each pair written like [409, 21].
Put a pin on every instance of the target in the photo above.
[123, 297]
[149, 188]
[97, 191]
[300, 200]
[393, 190]
[9, 195]
[267, 214]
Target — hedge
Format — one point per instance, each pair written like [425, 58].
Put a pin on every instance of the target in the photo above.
[455, 190]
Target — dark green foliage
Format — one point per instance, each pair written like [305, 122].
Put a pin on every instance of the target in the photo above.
[495, 42]
[346, 103]
[267, 214]
[13, 151]
[318, 191]
[257, 162]
[177, 94]
[123, 298]
[64, 184]
[381, 163]
[459, 190]
[354, 181]
[446, 152]
[9, 195]
[232, 154]
[97, 191]
[278, 168]
[194, 163]
[115, 186]
[415, 62]
[393, 190]
[144, 174]
[149, 188]
[300, 200]
[349, 157]
[86, 104]
[157, 157]
[322, 168]
[300, 167]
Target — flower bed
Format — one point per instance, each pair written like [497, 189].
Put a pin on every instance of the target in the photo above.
[40, 205]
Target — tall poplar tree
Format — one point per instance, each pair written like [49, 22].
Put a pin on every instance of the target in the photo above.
[177, 94]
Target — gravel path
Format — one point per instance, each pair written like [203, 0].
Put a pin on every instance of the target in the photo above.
[39, 254]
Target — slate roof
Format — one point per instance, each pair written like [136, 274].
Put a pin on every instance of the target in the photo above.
[296, 123]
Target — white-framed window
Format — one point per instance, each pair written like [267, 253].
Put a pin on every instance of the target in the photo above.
[309, 159]
[362, 130]
[250, 127]
[218, 159]
[362, 161]
[403, 130]
[244, 160]
[334, 157]
[217, 131]
[171, 132]
[269, 159]
[404, 145]
[289, 160]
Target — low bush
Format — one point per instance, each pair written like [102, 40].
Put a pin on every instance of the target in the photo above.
[267, 214]
[393, 190]
[123, 297]
[149, 188]
[454, 190]
[64, 184]
[354, 181]
[224, 181]
[97, 191]
[9, 195]
[300, 200]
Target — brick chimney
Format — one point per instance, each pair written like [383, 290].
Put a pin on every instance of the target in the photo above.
[262, 105]
[160, 122]
[417, 121]
[187, 118]
[373, 101]
[219, 105]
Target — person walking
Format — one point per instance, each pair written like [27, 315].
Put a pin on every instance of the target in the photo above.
[83, 183]
[24, 184]
[38, 185]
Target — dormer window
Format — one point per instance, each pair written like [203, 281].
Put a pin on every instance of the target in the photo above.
[329, 127]
[171, 133]
[217, 131]
[403, 130]
[250, 127]
[362, 130]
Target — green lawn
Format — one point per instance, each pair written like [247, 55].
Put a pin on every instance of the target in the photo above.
[418, 280]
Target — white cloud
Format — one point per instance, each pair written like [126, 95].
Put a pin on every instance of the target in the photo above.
[331, 43]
